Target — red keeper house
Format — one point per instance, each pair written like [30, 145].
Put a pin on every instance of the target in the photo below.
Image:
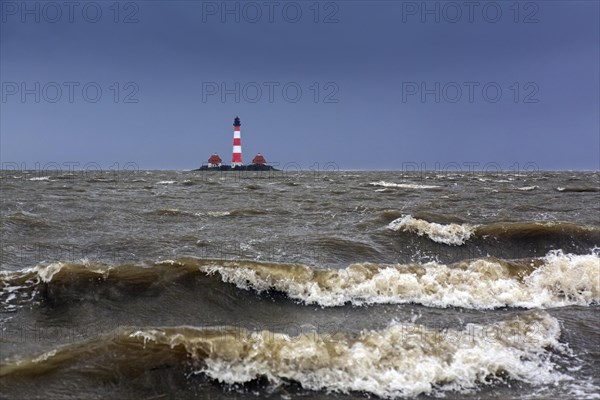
[259, 160]
[214, 161]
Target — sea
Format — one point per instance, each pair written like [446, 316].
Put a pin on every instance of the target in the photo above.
[299, 285]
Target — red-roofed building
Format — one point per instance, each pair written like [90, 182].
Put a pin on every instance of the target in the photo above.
[259, 160]
[214, 161]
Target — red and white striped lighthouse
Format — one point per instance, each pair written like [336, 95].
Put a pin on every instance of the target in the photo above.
[236, 158]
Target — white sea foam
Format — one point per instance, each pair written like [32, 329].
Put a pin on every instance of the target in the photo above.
[403, 185]
[213, 213]
[46, 273]
[40, 178]
[560, 280]
[452, 234]
[385, 190]
[584, 390]
[165, 182]
[45, 356]
[528, 188]
[401, 360]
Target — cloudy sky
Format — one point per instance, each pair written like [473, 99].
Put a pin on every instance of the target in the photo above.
[361, 84]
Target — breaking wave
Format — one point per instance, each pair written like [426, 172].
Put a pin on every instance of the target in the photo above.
[403, 185]
[582, 189]
[528, 188]
[555, 280]
[458, 234]
[213, 213]
[400, 360]
[451, 234]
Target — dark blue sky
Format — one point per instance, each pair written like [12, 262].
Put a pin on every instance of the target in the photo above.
[382, 83]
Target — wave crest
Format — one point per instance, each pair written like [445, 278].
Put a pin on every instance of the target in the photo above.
[401, 360]
[554, 281]
[403, 185]
[458, 234]
[451, 234]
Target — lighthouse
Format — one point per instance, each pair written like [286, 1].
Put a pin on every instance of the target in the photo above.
[259, 163]
[236, 158]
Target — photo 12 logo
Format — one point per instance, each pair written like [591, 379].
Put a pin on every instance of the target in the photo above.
[65, 252]
[453, 12]
[469, 92]
[411, 169]
[253, 12]
[70, 170]
[52, 12]
[269, 92]
[68, 92]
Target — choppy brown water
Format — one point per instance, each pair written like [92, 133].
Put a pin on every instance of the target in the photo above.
[337, 285]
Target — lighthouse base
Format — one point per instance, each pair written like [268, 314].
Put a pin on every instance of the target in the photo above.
[249, 167]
